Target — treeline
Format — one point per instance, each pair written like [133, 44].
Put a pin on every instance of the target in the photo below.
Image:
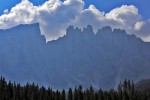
[13, 91]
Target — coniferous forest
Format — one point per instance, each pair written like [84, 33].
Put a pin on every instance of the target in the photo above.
[125, 91]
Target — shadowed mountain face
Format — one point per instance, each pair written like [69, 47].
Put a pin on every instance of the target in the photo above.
[143, 85]
[79, 58]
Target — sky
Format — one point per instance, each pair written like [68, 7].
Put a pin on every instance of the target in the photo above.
[107, 5]
[103, 5]
[130, 15]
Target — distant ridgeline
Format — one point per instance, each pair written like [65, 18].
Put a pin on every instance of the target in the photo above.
[79, 58]
[14, 91]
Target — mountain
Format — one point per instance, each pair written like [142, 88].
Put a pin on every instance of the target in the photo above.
[143, 85]
[79, 58]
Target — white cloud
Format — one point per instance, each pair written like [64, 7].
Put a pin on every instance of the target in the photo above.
[138, 25]
[57, 17]
[54, 17]
[22, 13]
[6, 11]
[142, 30]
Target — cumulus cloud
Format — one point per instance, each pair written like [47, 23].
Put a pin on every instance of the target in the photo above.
[54, 17]
[5, 11]
[142, 29]
[22, 13]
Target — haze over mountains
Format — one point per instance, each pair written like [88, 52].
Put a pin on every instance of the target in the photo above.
[79, 58]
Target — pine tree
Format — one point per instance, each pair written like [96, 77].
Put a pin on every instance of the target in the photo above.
[70, 95]
[87, 95]
[49, 93]
[91, 93]
[120, 93]
[75, 94]
[63, 95]
[80, 93]
[100, 95]
[126, 91]
[57, 95]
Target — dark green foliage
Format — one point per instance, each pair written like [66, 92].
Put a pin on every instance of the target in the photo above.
[63, 95]
[70, 95]
[126, 91]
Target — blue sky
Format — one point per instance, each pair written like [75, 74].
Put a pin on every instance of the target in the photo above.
[102, 5]
[107, 5]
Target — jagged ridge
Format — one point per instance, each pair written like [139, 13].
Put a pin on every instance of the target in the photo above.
[79, 58]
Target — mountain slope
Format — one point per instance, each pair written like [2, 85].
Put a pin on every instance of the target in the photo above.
[79, 58]
[143, 85]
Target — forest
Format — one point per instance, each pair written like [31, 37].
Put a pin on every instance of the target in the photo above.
[126, 91]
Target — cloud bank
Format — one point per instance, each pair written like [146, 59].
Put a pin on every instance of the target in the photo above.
[54, 17]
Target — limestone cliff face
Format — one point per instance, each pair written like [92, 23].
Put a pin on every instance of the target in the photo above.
[79, 58]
